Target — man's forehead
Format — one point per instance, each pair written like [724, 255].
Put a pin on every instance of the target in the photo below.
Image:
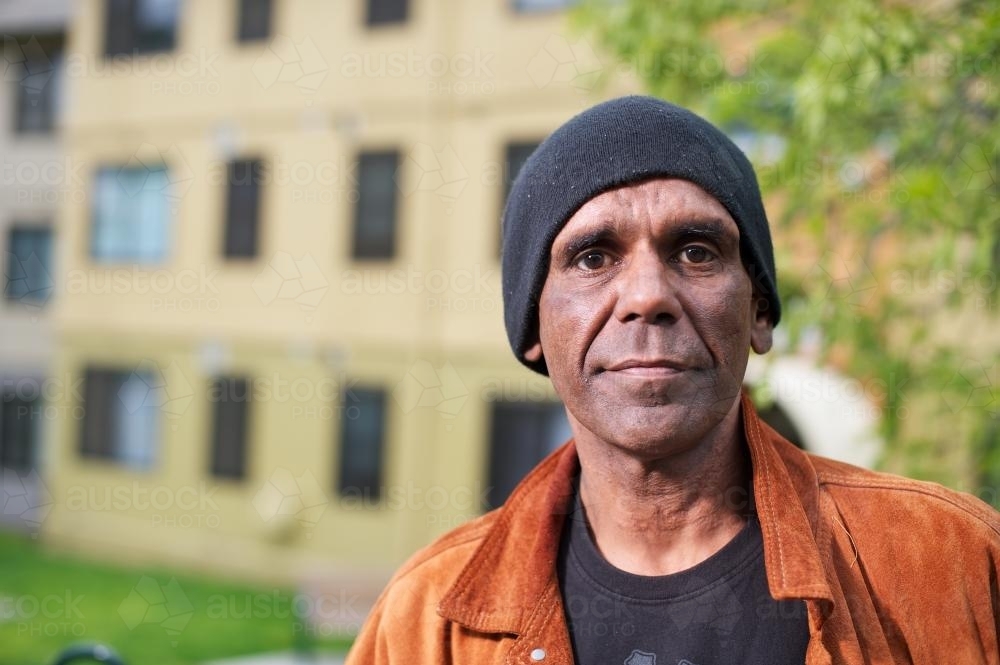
[665, 202]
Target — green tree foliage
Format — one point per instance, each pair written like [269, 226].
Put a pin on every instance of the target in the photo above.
[874, 129]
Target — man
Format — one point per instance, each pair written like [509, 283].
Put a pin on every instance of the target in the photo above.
[676, 527]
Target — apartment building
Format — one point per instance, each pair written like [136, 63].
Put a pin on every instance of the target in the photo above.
[277, 279]
[35, 168]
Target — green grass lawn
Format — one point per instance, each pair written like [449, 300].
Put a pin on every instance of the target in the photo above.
[150, 616]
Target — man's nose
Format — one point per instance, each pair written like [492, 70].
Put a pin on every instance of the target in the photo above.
[647, 290]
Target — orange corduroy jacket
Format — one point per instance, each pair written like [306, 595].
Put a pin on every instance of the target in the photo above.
[892, 570]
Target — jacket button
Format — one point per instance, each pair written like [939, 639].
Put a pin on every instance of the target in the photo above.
[538, 654]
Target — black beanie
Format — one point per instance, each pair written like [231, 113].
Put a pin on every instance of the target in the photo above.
[618, 142]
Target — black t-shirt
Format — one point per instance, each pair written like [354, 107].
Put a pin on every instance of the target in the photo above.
[717, 612]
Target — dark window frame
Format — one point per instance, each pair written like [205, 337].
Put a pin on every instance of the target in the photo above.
[244, 179]
[18, 432]
[386, 13]
[132, 250]
[231, 397]
[99, 436]
[254, 20]
[97, 429]
[521, 7]
[124, 35]
[370, 487]
[515, 152]
[373, 237]
[507, 466]
[11, 272]
[38, 94]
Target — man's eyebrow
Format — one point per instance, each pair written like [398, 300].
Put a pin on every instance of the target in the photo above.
[712, 229]
[601, 235]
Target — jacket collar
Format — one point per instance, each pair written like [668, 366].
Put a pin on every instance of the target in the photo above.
[500, 588]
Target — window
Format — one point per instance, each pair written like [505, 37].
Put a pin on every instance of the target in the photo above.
[521, 435]
[375, 211]
[17, 432]
[515, 155]
[140, 26]
[231, 398]
[29, 265]
[243, 208]
[131, 215]
[121, 420]
[362, 438]
[254, 20]
[36, 65]
[528, 6]
[384, 12]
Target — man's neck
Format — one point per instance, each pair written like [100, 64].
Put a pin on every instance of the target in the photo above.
[662, 516]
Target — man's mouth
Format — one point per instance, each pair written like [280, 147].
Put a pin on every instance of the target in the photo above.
[648, 367]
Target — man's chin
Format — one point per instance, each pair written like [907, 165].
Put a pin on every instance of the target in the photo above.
[652, 423]
[656, 430]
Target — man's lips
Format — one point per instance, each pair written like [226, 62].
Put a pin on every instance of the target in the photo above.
[641, 367]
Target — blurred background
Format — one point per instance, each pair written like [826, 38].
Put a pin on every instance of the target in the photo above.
[253, 354]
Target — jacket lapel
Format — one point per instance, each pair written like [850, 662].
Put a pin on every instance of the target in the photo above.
[510, 586]
[786, 492]
[514, 569]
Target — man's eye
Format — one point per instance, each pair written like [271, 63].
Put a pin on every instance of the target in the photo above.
[696, 254]
[592, 260]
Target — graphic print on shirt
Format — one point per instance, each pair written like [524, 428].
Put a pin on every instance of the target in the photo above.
[640, 658]
[720, 611]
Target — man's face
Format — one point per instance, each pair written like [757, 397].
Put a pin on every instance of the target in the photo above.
[648, 315]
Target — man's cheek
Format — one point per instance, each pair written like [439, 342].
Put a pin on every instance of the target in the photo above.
[730, 313]
[561, 323]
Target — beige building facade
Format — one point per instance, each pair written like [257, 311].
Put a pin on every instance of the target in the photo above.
[279, 278]
[279, 349]
[34, 170]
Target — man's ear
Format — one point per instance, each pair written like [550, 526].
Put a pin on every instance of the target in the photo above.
[762, 326]
[534, 352]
